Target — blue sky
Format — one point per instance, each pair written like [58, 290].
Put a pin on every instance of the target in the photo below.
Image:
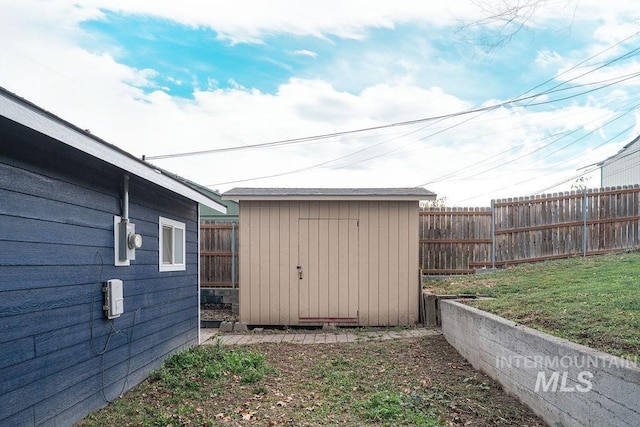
[191, 58]
[160, 77]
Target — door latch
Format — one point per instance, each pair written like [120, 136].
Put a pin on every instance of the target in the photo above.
[299, 272]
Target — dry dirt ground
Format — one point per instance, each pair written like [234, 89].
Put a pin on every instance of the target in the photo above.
[324, 384]
[409, 381]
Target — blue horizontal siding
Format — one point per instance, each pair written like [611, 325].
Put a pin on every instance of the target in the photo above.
[35, 322]
[56, 249]
[49, 188]
[34, 207]
[48, 254]
[26, 301]
[39, 231]
[153, 347]
[16, 351]
[21, 419]
[76, 346]
[135, 376]
[155, 291]
[60, 338]
[143, 336]
[32, 277]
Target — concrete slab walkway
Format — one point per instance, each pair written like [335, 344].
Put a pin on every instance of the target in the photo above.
[209, 336]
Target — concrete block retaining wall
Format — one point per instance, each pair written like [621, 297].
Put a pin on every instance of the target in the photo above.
[222, 295]
[564, 383]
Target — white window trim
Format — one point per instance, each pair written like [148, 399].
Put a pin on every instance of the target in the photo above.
[173, 224]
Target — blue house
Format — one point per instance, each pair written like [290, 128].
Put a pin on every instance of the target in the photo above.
[99, 274]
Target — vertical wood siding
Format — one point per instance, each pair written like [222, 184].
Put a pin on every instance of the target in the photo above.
[359, 262]
[56, 247]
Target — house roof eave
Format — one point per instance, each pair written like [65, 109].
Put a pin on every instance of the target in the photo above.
[33, 117]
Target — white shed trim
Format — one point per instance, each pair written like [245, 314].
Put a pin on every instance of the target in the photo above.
[330, 194]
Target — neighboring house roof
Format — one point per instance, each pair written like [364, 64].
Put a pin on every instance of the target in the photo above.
[622, 150]
[410, 193]
[30, 115]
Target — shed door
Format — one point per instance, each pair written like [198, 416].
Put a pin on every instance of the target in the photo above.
[328, 270]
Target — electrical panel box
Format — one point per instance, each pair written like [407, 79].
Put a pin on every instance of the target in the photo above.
[125, 251]
[126, 241]
[113, 298]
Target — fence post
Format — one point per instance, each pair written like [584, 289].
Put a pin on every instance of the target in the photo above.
[584, 222]
[233, 254]
[493, 234]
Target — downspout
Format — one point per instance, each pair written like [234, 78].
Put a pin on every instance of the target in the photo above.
[199, 289]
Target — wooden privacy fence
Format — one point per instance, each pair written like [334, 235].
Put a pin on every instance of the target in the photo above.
[461, 240]
[527, 229]
[454, 240]
[219, 254]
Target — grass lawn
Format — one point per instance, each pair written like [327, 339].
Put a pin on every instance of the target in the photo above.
[414, 381]
[593, 301]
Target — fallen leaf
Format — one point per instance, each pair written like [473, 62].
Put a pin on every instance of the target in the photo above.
[248, 416]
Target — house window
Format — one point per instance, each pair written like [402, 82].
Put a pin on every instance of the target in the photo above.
[172, 245]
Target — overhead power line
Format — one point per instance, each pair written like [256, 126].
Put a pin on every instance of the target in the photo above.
[517, 99]
[292, 141]
[522, 100]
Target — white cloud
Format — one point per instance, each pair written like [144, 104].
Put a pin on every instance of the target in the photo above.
[43, 62]
[304, 52]
[249, 20]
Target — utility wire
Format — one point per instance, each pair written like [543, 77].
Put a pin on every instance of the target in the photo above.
[409, 122]
[585, 172]
[481, 111]
[562, 148]
[306, 168]
[565, 134]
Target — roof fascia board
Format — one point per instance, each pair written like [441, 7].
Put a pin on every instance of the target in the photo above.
[37, 121]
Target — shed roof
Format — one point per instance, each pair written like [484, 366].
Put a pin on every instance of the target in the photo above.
[33, 117]
[405, 193]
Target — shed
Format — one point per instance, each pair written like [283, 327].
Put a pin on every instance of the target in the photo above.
[85, 311]
[344, 256]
